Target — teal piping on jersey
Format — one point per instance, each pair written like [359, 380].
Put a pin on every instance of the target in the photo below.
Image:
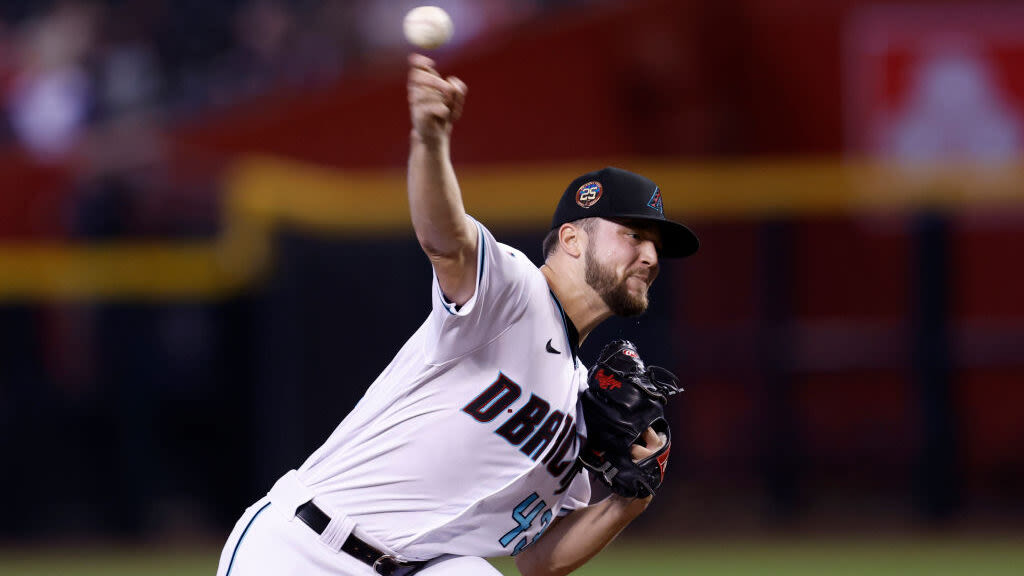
[444, 301]
[565, 328]
[483, 249]
[242, 537]
[480, 270]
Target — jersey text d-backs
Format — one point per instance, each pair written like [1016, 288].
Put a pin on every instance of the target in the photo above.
[466, 443]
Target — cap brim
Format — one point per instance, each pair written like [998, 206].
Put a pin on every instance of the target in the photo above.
[677, 241]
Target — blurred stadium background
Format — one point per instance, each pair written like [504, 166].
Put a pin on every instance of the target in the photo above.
[205, 257]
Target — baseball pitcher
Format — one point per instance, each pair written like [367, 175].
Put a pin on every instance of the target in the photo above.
[473, 442]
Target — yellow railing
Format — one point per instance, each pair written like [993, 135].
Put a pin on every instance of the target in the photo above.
[264, 193]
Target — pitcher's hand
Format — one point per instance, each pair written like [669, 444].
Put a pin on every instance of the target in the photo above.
[435, 103]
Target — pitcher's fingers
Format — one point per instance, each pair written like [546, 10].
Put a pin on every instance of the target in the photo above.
[427, 99]
[420, 97]
[441, 111]
[652, 439]
[459, 84]
[422, 62]
[458, 96]
[421, 92]
[459, 90]
[638, 452]
[421, 77]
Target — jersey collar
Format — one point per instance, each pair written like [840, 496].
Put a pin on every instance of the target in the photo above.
[572, 335]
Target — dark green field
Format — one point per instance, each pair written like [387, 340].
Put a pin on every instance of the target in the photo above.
[976, 556]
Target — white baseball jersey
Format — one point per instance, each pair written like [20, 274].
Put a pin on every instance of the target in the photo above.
[466, 443]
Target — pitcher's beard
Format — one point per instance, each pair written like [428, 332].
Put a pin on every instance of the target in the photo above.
[615, 293]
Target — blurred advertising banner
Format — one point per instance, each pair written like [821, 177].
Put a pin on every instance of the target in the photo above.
[935, 83]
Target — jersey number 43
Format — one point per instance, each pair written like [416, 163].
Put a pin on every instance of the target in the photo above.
[524, 514]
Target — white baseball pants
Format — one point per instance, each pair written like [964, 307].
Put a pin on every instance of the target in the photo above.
[268, 540]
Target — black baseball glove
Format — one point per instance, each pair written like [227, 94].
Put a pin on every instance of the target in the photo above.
[623, 399]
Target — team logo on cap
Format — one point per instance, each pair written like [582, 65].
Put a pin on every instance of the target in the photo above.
[589, 194]
[655, 201]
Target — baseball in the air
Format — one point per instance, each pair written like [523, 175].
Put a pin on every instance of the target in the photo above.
[427, 27]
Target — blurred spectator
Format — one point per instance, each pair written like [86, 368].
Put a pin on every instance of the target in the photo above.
[258, 58]
[273, 44]
[127, 71]
[122, 171]
[128, 186]
[329, 37]
[67, 65]
[51, 92]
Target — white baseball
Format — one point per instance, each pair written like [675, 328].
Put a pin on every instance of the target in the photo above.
[427, 27]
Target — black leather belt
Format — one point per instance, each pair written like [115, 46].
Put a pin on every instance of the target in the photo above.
[383, 564]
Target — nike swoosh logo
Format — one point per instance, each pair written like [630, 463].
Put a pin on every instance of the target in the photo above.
[551, 348]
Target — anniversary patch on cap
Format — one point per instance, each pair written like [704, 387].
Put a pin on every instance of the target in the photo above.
[589, 193]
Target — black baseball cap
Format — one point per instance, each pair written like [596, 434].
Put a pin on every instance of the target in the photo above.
[613, 193]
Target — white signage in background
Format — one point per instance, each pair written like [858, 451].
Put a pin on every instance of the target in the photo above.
[935, 83]
[955, 110]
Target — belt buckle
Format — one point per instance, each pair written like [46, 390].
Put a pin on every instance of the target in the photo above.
[387, 565]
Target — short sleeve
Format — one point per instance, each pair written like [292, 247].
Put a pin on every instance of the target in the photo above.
[500, 297]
